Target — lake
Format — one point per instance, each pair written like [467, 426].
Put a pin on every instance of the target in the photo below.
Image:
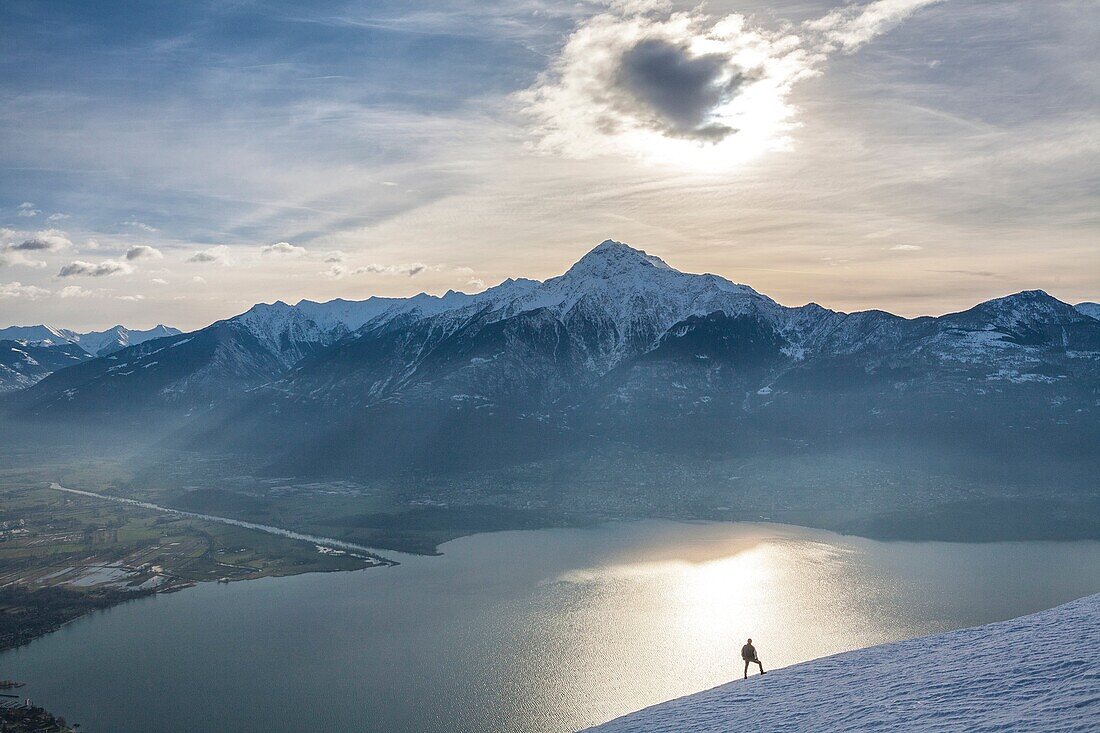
[546, 630]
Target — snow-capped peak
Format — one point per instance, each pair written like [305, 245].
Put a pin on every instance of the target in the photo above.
[638, 293]
[40, 334]
[612, 259]
[1021, 309]
[97, 343]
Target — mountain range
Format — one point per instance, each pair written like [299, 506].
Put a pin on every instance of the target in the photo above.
[30, 353]
[620, 355]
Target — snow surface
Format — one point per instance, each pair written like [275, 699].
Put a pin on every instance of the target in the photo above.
[1035, 673]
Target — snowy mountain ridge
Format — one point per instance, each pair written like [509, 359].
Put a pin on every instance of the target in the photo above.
[638, 295]
[28, 354]
[1033, 673]
[95, 343]
[635, 298]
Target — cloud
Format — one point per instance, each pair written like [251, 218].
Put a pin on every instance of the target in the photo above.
[143, 251]
[852, 26]
[219, 254]
[80, 268]
[159, 281]
[283, 249]
[468, 272]
[335, 256]
[75, 291]
[47, 239]
[58, 217]
[19, 290]
[15, 254]
[198, 280]
[27, 209]
[969, 273]
[131, 298]
[683, 88]
[19, 258]
[675, 90]
[906, 247]
[140, 225]
[412, 269]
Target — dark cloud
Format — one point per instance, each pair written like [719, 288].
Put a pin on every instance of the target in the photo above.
[90, 269]
[676, 91]
[45, 240]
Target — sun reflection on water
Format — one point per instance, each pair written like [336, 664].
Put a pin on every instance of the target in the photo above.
[691, 608]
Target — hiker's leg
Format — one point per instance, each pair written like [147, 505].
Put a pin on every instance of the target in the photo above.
[760, 665]
[746, 669]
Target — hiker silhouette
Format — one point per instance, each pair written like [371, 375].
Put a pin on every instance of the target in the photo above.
[748, 653]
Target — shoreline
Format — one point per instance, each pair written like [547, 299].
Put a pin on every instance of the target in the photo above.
[329, 542]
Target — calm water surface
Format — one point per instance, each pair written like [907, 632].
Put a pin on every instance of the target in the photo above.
[544, 630]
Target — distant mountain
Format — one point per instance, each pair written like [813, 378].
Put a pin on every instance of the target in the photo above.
[24, 363]
[30, 353]
[101, 343]
[620, 353]
[45, 335]
[1092, 310]
[95, 343]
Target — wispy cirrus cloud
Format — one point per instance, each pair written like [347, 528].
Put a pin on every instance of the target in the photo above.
[135, 224]
[854, 25]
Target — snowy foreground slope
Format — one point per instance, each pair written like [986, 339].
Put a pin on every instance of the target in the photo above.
[1035, 673]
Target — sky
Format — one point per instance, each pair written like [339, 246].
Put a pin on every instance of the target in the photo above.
[167, 162]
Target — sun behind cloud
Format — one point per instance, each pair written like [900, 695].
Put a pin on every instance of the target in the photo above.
[685, 89]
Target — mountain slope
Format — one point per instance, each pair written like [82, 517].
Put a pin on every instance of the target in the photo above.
[1034, 673]
[1092, 310]
[24, 363]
